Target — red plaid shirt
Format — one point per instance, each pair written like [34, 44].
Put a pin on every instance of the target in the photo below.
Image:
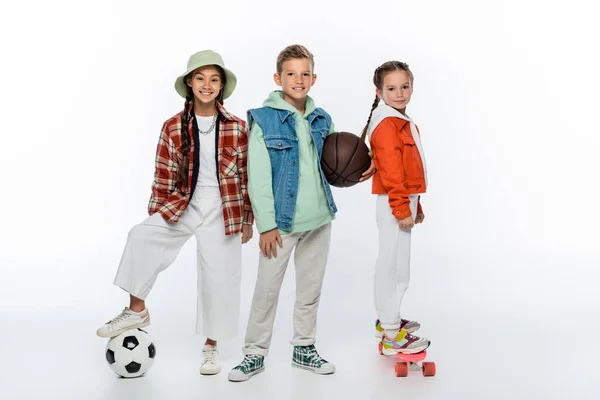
[168, 200]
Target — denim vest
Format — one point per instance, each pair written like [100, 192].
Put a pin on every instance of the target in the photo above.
[279, 128]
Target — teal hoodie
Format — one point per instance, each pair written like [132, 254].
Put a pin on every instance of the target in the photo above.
[312, 208]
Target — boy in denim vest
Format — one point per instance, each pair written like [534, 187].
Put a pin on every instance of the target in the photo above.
[293, 209]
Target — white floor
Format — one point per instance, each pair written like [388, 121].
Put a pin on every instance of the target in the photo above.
[482, 351]
[506, 268]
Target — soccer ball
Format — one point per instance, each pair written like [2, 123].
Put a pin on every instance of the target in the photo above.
[131, 354]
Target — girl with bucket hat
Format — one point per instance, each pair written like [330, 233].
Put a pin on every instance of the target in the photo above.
[199, 189]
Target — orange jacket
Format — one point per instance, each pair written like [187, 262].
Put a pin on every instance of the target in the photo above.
[399, 165]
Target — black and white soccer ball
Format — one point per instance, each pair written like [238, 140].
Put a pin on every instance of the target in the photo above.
[131, 354]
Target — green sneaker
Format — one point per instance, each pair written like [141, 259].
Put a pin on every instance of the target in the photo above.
[251, 365]
[306, 357]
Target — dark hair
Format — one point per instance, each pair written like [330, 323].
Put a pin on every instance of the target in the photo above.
[187, 121]
[380, 73]
[294, 51]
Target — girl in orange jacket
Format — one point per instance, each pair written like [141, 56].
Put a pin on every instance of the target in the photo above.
[400, 179]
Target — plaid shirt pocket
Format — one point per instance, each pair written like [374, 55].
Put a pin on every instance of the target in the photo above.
[229, 161]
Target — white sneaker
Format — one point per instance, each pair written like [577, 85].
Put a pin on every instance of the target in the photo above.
[210, 363]
[123, 322]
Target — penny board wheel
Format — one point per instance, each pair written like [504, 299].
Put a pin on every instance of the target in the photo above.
[401, 369]
[380, 347]
[428, 369]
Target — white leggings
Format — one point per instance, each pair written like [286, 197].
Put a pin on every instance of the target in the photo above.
[153, 245]
[392, 269]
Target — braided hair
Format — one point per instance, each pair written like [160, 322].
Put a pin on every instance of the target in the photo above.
[380, 73]
[187, 121]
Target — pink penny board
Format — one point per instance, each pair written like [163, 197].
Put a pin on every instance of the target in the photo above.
[411, 362]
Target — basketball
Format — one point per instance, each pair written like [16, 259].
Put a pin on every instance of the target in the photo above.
[345, 158]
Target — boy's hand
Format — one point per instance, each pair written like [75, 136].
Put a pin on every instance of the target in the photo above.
[268, 242]
[370, 172]
[406, 223]
[420, 218]
[247, 233]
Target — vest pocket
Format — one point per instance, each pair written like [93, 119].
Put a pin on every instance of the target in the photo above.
[278, 144]
[280, 150]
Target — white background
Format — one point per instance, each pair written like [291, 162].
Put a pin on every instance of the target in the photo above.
[505, 267]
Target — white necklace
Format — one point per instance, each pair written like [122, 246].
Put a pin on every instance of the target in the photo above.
[212, 126]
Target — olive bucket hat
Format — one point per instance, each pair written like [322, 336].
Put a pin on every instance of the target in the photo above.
[200, 59]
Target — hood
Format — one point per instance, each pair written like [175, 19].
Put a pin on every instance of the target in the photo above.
[276, 101]
[382, 112]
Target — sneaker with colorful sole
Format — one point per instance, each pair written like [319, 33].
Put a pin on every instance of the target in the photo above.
[404, 343]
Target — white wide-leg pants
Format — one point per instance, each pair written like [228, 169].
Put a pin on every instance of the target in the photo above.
[153, 245]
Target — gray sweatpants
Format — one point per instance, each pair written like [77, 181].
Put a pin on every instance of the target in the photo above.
[310, 258]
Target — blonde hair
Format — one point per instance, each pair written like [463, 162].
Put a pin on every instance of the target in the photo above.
[294, 51]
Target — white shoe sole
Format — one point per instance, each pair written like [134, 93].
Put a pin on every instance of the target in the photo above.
[209, 371]
[244, 377]
[113, 334]
[392, 352]
[318, 371]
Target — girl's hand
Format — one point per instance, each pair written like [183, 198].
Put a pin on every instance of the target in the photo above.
[420, 218]
[370, 172]
[268, 242]
[406, 223]
[247, 233]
